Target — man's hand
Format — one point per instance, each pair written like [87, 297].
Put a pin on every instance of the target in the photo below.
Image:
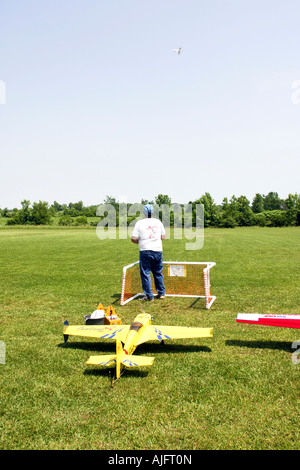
[134, 240]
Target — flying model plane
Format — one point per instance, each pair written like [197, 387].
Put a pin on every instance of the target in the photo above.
[128, 337]
[177, 50]
[287, 321]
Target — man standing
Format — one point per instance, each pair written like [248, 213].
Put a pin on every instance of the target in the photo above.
[148, 233]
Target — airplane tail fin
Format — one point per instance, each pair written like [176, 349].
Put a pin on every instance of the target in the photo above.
[105, 360]
[137, 361]
[120, 360]
[127, 361]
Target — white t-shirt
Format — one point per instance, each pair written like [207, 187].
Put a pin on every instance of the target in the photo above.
[149, 232]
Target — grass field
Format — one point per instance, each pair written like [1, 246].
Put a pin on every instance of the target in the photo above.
[240, 391]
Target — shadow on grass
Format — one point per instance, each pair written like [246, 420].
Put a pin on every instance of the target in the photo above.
[117, 297]
[280, 345]
[198, 304]
[155, 348]
[150, 348]
[110, 371]
[89, 346]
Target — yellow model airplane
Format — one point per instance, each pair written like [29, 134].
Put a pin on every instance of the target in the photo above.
[128, 337]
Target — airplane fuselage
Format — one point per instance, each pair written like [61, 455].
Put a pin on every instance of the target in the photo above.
[136, 329]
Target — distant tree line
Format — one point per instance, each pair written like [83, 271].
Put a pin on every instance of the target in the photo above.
[269, 210]
[41, 213]
[265, 210]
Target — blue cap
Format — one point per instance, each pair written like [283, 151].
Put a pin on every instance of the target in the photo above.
[148, 209]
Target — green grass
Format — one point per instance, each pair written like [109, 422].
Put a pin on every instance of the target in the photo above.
[240, 391]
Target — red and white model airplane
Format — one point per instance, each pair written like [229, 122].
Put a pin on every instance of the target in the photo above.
[287, 321]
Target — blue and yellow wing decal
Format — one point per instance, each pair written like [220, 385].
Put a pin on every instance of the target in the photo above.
[106, 360]
[161, 333]
[127, 361]
[95, 331]
[137, 361]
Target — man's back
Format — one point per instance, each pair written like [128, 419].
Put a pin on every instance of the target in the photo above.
[149, 232]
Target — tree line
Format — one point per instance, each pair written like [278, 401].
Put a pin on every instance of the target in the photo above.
[264, 210]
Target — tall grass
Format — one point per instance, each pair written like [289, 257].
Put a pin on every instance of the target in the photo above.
[240, 391]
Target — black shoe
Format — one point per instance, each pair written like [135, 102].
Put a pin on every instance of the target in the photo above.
[160, 296]
[145, 297]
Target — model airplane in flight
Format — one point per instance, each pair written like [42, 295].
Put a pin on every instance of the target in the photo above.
[128, 337]
[177, 50]
[287, 321]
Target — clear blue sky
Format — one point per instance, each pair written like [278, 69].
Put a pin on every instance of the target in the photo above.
[97, 102]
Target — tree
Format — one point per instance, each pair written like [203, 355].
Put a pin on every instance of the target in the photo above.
[146, 201]
[228, 213]
[225, 205]
[230, 208]
[227, 221]
[260, 219]
[72, 212]
[88, 212]
[40, 214]
[5, 212]
[163, 199]
[65, 220]
[292, 204]
[110, 200]
[25, 213]
[15, 220]
[272, 202]
[276, 218]
[236, 212]
[210, 210]
[78, 206]
[245, 214]
[58, 207]
[258, 203]
[81, 220]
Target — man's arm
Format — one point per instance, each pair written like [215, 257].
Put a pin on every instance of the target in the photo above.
[163, 237]
[135, 234]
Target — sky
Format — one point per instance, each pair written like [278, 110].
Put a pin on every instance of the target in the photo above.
[95, 103]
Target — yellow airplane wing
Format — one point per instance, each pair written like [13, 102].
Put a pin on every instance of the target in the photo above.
[137, 361]
[128, 361]
[106, 360]
[154, 332]
[96, 331]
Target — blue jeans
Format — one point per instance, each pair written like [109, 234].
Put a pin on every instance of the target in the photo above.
[152, 261]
